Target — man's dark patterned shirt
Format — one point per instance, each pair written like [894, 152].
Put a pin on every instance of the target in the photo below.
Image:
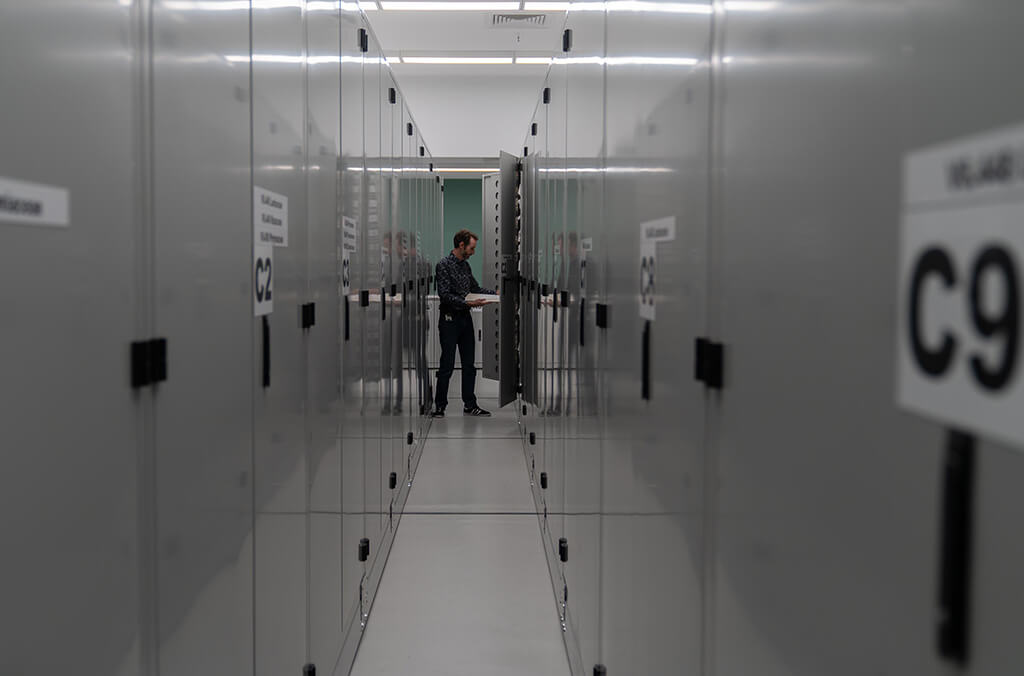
[455, 280]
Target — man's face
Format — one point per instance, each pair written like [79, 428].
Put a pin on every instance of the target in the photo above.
[468, 249]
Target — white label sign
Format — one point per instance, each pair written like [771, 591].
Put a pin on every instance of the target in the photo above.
[661, 230]
[33, 204]
[959, 323]
[263, 278]
[346, 272]
[587, 245]
[648, 276]
[349, 234]
[652, 232]
[270, 217]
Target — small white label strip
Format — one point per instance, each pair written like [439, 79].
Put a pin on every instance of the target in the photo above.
[270, 217]
[349, 234]
[661, 230]
[34, 204]
[652, 232]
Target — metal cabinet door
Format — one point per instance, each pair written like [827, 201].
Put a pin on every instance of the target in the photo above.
[73, 299]
[279, 136]
[657, 131]
[586, 247]
[323, 414]
[353, 461]
[203, 246]
[373, 282]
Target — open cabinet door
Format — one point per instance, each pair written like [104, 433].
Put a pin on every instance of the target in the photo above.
[508, 330]
[500, 247]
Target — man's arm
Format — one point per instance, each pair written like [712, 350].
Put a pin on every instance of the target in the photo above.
[446, 288]
[479, 289]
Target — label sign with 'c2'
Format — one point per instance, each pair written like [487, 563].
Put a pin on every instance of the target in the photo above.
[959, 323]
[263, 279]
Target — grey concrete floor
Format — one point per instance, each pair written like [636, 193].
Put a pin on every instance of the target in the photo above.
[466, 591]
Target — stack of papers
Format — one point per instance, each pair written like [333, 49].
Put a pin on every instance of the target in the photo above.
[487, 297]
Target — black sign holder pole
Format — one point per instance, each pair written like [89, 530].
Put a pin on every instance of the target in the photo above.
[953, 632]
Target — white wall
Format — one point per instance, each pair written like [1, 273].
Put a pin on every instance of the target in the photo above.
[471, 111]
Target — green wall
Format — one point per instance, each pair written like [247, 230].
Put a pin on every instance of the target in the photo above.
[462, 209]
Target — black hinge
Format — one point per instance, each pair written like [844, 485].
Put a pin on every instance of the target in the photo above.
[392, 95]
[533, 129]
[149, 362]
[409, 438]
[565, 299]
[364, 41]
[383, 304]
[709, 363]
[526, 151]
[392, 480]
[423, 151]
[545, 289]
[394, 290]
[600, 670]
[544, 480]
[957, 540]
[563, 549]
[567, 40]
[601, 313]
[364, 298]
[554, 306]
[533, 435]
[438, 180]
[309, 670]
[408, 128]
[364, 549]
[432, 167]
[308, 315]
[547, 95]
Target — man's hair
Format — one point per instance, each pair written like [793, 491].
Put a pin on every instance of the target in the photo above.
[464, 236]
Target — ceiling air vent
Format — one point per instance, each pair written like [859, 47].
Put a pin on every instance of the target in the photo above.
[518, 20]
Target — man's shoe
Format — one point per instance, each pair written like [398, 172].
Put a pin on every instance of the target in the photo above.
[477, 412]
[437, 413]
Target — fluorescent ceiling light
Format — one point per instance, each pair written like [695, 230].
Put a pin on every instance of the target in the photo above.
[448, 6]
[650, 61]
[205, 5]
[290, 58]
[628, 60]
[648, 6]
[534, 60]
[463, 170]
[750, 5]
[457, 60]
[547, 6]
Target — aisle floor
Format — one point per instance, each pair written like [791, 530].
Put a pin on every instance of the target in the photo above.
[466, 590]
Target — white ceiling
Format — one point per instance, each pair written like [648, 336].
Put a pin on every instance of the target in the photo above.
[468, 110]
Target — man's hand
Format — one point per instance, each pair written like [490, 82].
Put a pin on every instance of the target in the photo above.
[476, 303]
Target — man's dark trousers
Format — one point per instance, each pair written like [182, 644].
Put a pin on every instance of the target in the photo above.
[456, 329]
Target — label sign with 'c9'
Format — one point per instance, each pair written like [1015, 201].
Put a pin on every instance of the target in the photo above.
[959, 323]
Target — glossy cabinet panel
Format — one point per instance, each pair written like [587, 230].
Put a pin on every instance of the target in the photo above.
[71, 470]
[206, 518]
[788, 523]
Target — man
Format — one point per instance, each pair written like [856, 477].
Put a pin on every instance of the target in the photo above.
[454, 281]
